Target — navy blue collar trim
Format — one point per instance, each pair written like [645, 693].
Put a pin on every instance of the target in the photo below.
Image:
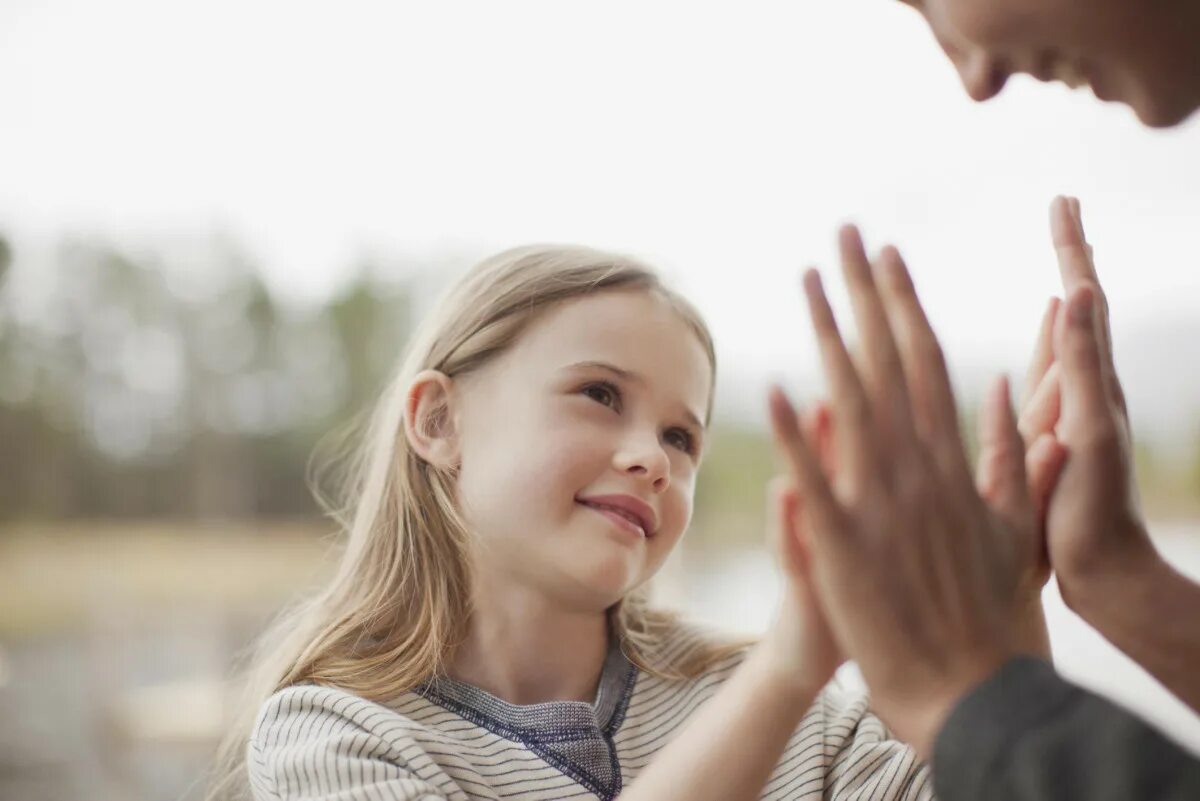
[544, 728]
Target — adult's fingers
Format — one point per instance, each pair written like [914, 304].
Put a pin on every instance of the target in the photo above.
[1075, 262]
[1042, 411]
[851, 407]
[1085, 397]
[1076, 265]
[929, 386]
[1043, 352]
[1078, 268]
[884, 370]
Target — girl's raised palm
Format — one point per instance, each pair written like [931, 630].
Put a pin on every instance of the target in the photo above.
[800, 635]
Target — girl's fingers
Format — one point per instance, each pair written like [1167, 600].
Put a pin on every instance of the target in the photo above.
[795, 533]
[1043, 464]
[1042, 411]
[1002, 480]
[819, 431]
[885, 372]
[789, 506]
[782, 506]
[810, 481]
[1043, 352]
[931, 395]
[851, 407]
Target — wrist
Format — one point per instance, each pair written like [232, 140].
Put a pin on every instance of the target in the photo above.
[778, 670]
[919, 718]
[1031, 635]
[1105, 585]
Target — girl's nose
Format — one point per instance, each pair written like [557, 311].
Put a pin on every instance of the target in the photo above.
[648, 461]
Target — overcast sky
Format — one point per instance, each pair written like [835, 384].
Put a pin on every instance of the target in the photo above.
[723, 142]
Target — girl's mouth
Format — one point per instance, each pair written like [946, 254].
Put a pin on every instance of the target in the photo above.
[619, 517]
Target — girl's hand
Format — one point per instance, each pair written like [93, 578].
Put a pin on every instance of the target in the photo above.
[800, 640]
[1044, 456]
[1038, 416]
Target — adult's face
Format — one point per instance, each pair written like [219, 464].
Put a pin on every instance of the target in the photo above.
[1143, 53]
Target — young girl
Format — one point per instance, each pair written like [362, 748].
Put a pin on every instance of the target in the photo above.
[487, 634]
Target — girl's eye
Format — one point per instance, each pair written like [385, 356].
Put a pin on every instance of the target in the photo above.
[609, 395]
[603, 393]
[681, 439]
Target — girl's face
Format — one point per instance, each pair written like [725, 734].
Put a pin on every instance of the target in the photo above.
[1140, 53]
[579, 448]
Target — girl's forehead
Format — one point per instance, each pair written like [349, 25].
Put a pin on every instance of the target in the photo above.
[637, 331]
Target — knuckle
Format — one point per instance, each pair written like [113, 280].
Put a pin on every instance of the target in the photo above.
[892, 366]
[908, 485]
[932, 351]
[1081, 347]
[949, 458]
[1027, 429]
[858, 409]
[1100, 437]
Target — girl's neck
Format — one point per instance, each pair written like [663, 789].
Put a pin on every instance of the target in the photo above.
[525, 649]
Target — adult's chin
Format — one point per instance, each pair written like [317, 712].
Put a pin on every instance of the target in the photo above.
[1166, 110]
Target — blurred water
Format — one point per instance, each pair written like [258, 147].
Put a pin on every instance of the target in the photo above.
[738, 591]
[125, 705]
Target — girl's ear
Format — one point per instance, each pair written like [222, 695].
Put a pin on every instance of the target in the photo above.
[429, 421]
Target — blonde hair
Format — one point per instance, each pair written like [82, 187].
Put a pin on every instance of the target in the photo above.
[399, 600]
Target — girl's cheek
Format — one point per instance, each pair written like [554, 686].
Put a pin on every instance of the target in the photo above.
[571, 455]
[684, 477]
[682, 498]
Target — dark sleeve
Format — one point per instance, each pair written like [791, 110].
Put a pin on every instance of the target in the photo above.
[1025, 734]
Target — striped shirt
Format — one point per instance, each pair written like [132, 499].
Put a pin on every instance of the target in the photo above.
[449, 740]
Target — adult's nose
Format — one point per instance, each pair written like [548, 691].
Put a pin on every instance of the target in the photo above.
[983, 75]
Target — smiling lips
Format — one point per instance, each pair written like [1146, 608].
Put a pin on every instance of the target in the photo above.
[624, 510]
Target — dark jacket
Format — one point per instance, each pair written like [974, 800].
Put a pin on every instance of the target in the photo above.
[1025, 734]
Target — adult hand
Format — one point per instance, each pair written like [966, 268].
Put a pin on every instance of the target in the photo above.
[920, 577]
[1108, 569]
[1094, 523]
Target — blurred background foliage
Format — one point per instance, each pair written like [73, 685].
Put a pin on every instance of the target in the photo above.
[132, 387]
[133, 391]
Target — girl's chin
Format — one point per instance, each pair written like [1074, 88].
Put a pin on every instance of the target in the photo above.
[606, 577]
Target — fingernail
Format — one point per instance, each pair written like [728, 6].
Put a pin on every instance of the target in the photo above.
[894, 269]
[1080, 312]
[811, 280]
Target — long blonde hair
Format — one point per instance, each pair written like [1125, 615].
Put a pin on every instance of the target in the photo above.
[399, 600]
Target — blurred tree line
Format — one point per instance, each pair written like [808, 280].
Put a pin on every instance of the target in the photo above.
[128, 389]
[140, 386]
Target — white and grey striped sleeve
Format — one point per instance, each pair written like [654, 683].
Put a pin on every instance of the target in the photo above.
[868, 764]
[324, 744]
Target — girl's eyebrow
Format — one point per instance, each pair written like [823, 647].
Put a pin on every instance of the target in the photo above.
[631, 377]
